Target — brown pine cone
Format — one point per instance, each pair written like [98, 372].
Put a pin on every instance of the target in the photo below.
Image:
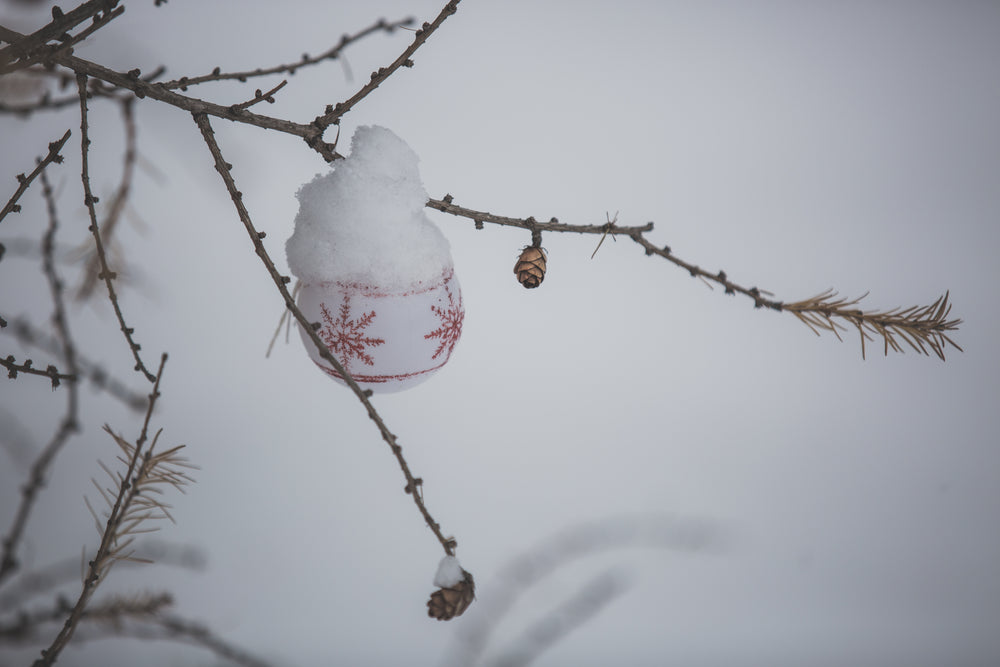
[530, 267]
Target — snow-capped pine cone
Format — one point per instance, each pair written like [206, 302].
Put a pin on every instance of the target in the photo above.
[447, 603]
[530, 267]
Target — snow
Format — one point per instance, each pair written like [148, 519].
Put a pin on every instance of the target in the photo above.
[449, 572]
[364, 221]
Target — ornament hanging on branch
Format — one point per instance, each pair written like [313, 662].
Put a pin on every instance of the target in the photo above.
[530, 266]
[377, 275]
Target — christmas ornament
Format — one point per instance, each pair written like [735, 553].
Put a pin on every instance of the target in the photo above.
[377, 275]
[457, 590]
[530, 267]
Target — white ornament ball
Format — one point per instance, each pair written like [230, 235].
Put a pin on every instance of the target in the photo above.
[388, 340]
[376, 273]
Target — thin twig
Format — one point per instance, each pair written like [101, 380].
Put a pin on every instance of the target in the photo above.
[96, 88]
[69, 423]
[553, 225]
[311, 133]
[21, 51]
[106, 274]
[284, 321]
[261, 97]
[98, 376]
[134, 82]
[334, 114]
[26, 367]
[117, 207]
[25, 181]
[48, 52]
[413, 484]
[331, 54]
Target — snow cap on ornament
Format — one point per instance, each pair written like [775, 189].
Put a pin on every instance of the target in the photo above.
[376, 273]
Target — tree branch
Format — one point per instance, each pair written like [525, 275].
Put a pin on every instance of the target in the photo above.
[92, 271]
[69, 423]
[121, 521]
[333, 115]
[24, 181]
[923, 328]
[24, 49]
[98, 376]
[50, 371]
[106, 274]
[331, 54]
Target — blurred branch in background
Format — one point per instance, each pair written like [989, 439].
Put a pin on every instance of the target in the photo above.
[145, 616]
[33, 583]
[32, 336]
[92, 271]
[70, 421]
[569, 615]
[645, 531]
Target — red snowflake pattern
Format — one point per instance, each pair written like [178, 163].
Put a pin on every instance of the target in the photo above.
[345, 337]
[451, 324]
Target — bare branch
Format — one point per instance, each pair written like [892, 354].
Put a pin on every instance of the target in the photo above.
[69, 423]
[47, 53]
[553, 225]
[312, 132]
[923, 328]
[117, 207]
[89, 201]
[331, 54]
[95, 88]
[25, 181]
[122, 517]
[261, 97]
[27, 334]
[50, 371]
[334, 114]
[25, 50]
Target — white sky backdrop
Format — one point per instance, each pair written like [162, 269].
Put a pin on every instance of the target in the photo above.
[798, 146]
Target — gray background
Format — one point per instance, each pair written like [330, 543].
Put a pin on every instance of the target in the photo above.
[797, 145]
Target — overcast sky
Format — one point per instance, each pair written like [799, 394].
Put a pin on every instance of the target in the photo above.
[848, 507]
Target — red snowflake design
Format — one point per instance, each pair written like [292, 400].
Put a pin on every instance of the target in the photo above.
[345, 337]
[451, 324]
